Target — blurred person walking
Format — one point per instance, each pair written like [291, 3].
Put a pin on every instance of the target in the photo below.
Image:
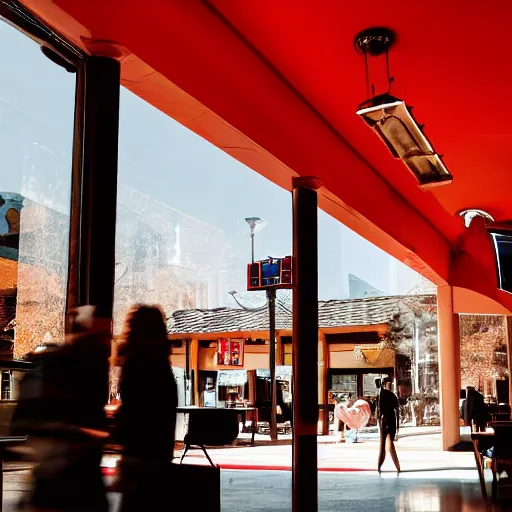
[388, 417]
[476, 413]
[61, 409]
[147, 416]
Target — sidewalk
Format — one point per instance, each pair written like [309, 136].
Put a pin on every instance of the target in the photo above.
[373, 433]
[417, 450]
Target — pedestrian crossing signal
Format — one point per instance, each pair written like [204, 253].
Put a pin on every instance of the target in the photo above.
[270, 273]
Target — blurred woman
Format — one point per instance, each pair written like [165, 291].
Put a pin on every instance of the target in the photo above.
[61, 408]
[147, 417]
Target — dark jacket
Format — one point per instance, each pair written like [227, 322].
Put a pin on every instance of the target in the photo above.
[67, 392]
[475, 407]
[147, 417]
[68, 386]
[388, 408]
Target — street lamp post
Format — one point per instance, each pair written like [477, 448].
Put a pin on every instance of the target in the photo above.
[271, 299]
[253, 222]
[271, 296]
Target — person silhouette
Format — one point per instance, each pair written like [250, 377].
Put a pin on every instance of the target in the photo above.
[61, 409]
[146, 419]
[388, 417]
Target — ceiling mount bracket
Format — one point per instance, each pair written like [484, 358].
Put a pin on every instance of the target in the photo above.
[374, 41]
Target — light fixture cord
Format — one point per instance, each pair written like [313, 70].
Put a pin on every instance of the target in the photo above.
[367, 75]
[390, 78]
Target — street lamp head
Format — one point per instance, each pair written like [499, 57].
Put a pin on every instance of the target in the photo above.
[253, 222]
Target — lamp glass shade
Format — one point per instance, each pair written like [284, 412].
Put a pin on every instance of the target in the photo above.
[396, 127]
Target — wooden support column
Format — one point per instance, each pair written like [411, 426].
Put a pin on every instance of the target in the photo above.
[323, 365]
[279, 349]
[194, 366]
[449, 366]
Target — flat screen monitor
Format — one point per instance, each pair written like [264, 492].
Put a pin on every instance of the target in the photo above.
[271, 269]
[503, 248]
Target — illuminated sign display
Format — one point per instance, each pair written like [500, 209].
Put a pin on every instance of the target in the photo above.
[230, 352]
[270, 273]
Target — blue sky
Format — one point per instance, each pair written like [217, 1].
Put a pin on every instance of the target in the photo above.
[161, 158]
[188, 173]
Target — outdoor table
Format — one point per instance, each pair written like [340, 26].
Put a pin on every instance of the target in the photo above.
[482, 441]
[6, 441]
[214, 426]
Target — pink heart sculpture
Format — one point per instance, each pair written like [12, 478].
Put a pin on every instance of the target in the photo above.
[357, 416]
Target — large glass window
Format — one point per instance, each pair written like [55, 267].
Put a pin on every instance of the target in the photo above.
[483, 355]
[37, 100]
[182, 240]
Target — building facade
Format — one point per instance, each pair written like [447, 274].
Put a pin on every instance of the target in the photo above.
[358, 341]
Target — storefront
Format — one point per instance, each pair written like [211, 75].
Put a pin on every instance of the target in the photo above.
[357, 344]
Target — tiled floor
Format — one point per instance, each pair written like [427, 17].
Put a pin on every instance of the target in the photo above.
[436, 491]
[450, 483]
[269, 491]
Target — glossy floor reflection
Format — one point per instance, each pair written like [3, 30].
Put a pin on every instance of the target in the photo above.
[433, 491]
[268, 491]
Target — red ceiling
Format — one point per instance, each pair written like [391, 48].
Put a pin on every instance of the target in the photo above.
[285, 74]
[450, 63]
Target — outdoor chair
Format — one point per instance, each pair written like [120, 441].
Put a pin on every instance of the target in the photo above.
[210, 427]
[502, 456]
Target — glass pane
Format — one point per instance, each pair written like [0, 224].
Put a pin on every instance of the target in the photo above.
[182, 239]
[344, 383]
[37, 100]
[369, 386]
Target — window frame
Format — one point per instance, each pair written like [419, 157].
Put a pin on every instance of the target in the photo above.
[60, 51]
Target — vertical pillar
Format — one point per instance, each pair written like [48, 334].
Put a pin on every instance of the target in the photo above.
[194, 366]
[449, 366]
[323, 364]
[279, 349]
[99, 184]
[72, 298]
[305, 344]
[271, 297]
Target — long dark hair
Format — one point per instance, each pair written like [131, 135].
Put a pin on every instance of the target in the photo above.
[145, 331]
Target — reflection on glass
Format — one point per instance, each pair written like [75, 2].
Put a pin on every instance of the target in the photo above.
[163, 255]
[369, 386]
[345, 384]
[427, 499]
[36, 130]
[483, 356]
[182, 240]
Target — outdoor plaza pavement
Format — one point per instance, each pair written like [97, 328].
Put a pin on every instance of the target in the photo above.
[255, 478]
[418, 449]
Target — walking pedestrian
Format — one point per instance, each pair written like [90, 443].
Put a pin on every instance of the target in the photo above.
[388, 417]
[62, 410]
[476, 411]
[147, 416]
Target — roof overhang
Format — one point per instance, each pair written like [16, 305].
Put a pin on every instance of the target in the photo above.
[277, 89]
